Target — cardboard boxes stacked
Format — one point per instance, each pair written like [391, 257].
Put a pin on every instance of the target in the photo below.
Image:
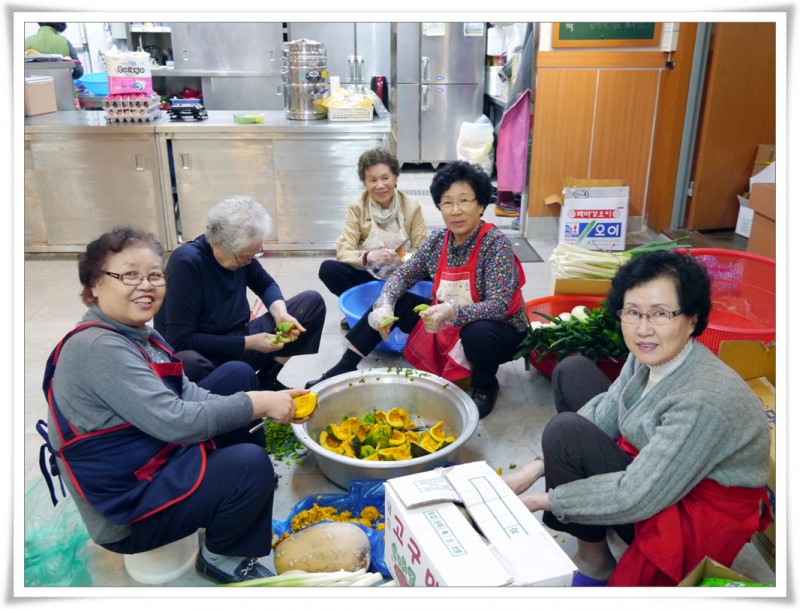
[765, 155]
[431, 541]
[755, 363]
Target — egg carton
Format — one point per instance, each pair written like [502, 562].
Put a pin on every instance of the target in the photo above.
[131, 100]
[132, 115]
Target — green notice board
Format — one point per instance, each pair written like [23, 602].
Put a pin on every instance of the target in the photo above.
[606, 34]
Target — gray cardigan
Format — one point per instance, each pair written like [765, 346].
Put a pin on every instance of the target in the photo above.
[700, 422]
[102, 380]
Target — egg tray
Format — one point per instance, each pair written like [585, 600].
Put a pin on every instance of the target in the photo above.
[132, 115]
[131, 100]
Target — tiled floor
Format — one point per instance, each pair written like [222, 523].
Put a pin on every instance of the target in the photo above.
[510, 435]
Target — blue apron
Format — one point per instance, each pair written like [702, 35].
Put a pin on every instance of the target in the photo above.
[122, 472]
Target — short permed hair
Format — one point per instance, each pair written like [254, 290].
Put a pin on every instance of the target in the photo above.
[462, 171]
[91, 263]
[376, 156]
[692, 282]
[237, 222]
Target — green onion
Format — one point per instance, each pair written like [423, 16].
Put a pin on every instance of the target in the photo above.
[572, 262]
[301, 578]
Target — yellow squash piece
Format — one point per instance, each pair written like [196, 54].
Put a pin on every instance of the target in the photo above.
[421, 307]
[397, 418]
[398, 438]
[328, 441]
[388, 321]
[304, 405]
[397, 453]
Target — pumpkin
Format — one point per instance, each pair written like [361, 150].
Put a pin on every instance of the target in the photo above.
[304, 405]
[326, 547]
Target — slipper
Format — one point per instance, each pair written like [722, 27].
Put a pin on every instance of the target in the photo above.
[581, 580]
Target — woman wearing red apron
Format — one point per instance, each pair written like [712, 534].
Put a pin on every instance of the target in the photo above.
[675, 464]
[476, 318]
[148, 456]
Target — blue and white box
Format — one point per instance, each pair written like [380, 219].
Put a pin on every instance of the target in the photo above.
[594, 218]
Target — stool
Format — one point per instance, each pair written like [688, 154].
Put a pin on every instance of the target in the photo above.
[163, 564]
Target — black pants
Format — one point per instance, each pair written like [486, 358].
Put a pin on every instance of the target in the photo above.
[339, 277]
[308, 308]
[234, 500]
[487, 344]
[575, 448]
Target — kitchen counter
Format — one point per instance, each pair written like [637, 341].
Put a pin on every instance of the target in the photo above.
[218, 121]
[84, 176]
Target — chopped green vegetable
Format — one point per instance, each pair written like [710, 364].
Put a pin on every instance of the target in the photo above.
[421, 307]
[282, 444]
[388, 321]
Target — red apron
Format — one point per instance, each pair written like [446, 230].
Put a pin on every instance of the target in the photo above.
[711, 520]
[442, 353]
[124, 473]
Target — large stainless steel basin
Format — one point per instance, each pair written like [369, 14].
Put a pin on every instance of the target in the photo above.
[426, 397]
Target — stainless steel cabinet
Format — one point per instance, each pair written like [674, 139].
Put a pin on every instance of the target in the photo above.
[312, 198]
[227, 47]
[356, 51]
[80, 185]
[210, 168]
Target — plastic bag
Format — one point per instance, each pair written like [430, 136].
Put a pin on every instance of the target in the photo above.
[55, 540]
[359, 495]
[476, 143]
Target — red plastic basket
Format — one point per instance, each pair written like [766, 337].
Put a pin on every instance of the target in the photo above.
[553, 306]
[742, 296]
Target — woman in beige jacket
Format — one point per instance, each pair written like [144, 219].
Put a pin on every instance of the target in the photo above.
[381, 226]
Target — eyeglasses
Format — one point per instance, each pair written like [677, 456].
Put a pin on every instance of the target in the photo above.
[657, 317]
[462, 204]
[134, 278]
[247, 259]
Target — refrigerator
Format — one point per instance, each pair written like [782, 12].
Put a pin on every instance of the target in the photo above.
[356, 51]
[438, 72]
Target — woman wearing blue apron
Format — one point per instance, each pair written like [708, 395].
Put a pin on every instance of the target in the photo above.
[148, 456]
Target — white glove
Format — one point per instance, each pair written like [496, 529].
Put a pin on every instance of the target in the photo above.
[382, 256]
[438, 316]
[378, 317]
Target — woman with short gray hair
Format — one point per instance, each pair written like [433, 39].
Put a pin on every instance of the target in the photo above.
[206, 314]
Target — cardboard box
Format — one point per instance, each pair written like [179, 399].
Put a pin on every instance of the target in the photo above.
[755, 363]
[762, 232]
[590, 287]
[744, 221]
[708, 567]
[40, 95]
[430, 541]
[594, 213]
[765, 154]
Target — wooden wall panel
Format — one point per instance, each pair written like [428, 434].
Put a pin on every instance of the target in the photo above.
[626, 109]
[738, 114]
[562, 133]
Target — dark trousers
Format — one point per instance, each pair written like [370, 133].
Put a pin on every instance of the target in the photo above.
[308, 308]
[487, 344]
[575, 448]
[339, 277]
[234, 500]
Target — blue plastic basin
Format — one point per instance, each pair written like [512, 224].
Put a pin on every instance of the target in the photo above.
[358, 299]
[96, 83]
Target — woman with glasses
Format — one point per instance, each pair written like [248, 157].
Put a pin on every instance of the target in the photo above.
[206, 315]
[476, 318]
[150, 456]
[673, 456]
[382, 224]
